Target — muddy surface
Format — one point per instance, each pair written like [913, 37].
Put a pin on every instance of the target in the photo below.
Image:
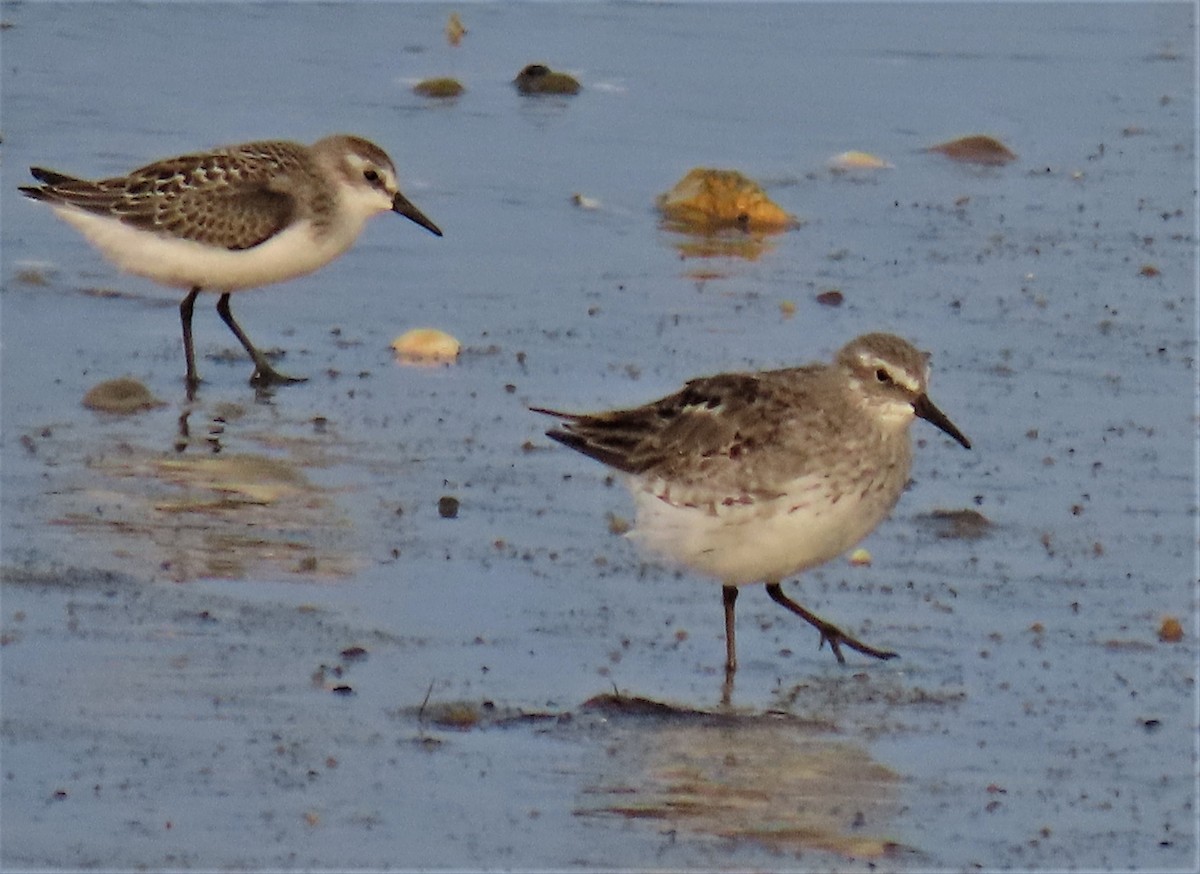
[379, 621]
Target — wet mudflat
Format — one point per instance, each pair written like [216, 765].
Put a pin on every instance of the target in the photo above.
[377, 620]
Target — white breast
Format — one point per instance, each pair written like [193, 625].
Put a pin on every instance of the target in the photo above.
[766, 540]
[296, 251]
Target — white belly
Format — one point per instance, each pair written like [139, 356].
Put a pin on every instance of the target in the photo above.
[765, 541]
[186, 264]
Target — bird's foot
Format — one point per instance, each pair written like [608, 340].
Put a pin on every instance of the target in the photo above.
[829, 632]
[266, 376]
[835, 637]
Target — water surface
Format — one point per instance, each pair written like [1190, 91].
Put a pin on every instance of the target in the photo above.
[175, 627]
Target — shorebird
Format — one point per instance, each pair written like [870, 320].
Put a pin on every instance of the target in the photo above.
[232, 218]
[753, 477]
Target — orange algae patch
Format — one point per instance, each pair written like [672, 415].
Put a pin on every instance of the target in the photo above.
[976, 149]
[707, 200]
[1171, 630]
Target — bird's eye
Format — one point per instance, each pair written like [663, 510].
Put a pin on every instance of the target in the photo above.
[882, 376]
[371, 175]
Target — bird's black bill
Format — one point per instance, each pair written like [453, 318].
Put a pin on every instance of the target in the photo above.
[927, 410]
[403, 205]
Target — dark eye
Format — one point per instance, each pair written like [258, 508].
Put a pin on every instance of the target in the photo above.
[883, 376]
[371, 176]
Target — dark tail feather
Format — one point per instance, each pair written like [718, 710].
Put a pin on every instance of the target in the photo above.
[608, 447]
[558, 414]
[573, 441]
[564, 435]
[51, 177]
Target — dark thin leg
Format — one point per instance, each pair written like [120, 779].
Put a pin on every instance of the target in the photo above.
[829, 631]
[185, 316]
[729, 597]
[264, 373]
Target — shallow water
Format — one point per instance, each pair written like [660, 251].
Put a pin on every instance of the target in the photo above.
[176, 691]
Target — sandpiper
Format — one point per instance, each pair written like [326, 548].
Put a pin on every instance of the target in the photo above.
[232, 218]
[752, 477]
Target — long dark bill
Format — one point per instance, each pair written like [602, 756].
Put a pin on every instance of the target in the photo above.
[404, 206]
[927, 410]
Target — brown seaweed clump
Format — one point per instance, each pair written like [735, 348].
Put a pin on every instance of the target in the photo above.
[707, 200]
[540, 79]
[442, 88]
[121, 396]
[976, 149]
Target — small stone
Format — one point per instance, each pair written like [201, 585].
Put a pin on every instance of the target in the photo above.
[976, 149]
[860, 558]
[854, 160]
[121, 396]
[540, 79]
[426, 346]
[440, 88]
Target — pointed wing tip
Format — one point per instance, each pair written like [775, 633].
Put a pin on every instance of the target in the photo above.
[558, 414]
